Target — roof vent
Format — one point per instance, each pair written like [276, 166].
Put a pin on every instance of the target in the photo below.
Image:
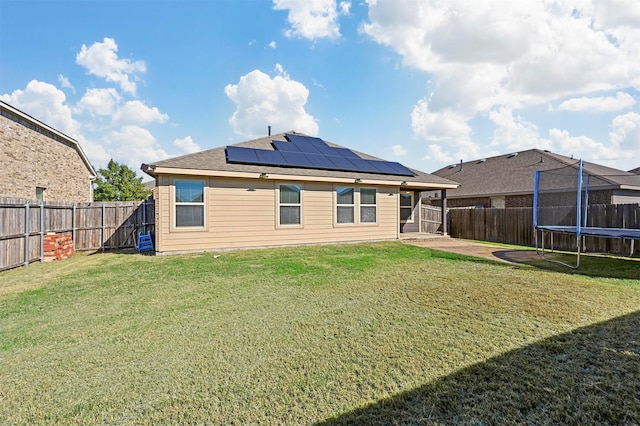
[512, 155]
[481, 161]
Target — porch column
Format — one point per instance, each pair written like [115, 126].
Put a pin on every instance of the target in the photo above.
[443, 211]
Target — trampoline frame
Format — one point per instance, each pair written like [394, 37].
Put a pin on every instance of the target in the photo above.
[581, 229]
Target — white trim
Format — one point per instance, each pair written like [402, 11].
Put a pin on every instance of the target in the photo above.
[154, 171]
[412, 217]
[175, 204]
[374, 205]
[279, 204]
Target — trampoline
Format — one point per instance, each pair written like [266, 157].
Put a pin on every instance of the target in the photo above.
[560, 202]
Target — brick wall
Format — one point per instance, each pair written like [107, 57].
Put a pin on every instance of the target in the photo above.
[57, 246]
[31, 158]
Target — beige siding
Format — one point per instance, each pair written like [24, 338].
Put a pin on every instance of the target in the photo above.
[243, 213]
[30, 159]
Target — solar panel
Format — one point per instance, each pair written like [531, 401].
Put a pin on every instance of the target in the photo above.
[400, 169]
[310, 152]
[296, 159]
[270, 157]
[236, 154]
[383, 167]
[342, 163]
[344, 152]
[307, 148]
[320, 161]
[285, 146]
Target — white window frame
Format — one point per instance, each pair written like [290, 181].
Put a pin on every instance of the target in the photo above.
[374, 205]
[280, 204]
[336, 204]
[176, 204]
[411, 218]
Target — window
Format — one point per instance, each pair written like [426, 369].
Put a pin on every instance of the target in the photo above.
[189, 203]
[345, 204]
[40, 193]
[497, 202]
[406, 206]
[368, 205]
[290, 204]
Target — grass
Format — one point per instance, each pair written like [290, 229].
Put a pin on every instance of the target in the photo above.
[372, 333]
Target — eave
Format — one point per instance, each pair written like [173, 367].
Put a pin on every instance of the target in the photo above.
[396, 181]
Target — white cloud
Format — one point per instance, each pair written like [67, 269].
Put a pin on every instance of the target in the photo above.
[581, 147]
[187, 145]
[65, 83]
[398, 150]
[262, 101]
[503, 55]
[344, 7]
[312, 19]
[101, 59]
[136, 112]
[621, 101]
[99, 101]
[436, 153]
[134, 145]
[46, 103]
[514, 134]
[272, 45]
[625, 132]
[617, 13]
[445, 125]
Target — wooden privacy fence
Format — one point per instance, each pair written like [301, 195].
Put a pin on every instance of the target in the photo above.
[515, 226]
[431, 217]
[93, 226]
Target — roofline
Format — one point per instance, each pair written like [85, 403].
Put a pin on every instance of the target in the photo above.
[50, 129]
[154, 171]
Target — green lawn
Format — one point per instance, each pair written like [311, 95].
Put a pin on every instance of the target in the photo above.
[382, 333]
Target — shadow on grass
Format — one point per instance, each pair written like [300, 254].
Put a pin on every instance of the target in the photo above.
[588, 376]
[590, 265]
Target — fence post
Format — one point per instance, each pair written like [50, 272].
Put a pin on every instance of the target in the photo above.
[73, 226]
[42, 232]
[26, 234]
[102, 233]
[443, 212]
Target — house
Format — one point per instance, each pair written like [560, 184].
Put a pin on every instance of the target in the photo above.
[40, 163]
[285, 189]
[508, 181]
[635, 171]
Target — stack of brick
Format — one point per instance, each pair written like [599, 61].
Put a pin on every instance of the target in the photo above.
[57, 246]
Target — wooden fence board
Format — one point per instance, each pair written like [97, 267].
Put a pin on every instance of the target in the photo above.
[515, 226]
[94, 226]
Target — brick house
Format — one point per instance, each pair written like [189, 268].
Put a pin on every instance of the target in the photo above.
[508, 180]
[38, 162]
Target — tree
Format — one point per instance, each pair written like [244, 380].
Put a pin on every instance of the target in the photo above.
[118, 183]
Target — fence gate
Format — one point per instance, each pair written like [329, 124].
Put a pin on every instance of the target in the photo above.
[431, 219]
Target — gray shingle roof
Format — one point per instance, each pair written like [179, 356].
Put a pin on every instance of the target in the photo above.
[215, 160]
[515, 173]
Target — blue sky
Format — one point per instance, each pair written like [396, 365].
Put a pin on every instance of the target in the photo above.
[426, 83]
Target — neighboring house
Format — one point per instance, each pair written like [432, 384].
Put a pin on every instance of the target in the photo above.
[508, 181]
[635, 171]
[273, 191]
[40, 163]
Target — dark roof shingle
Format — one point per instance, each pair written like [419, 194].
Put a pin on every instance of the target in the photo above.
[215, 160]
